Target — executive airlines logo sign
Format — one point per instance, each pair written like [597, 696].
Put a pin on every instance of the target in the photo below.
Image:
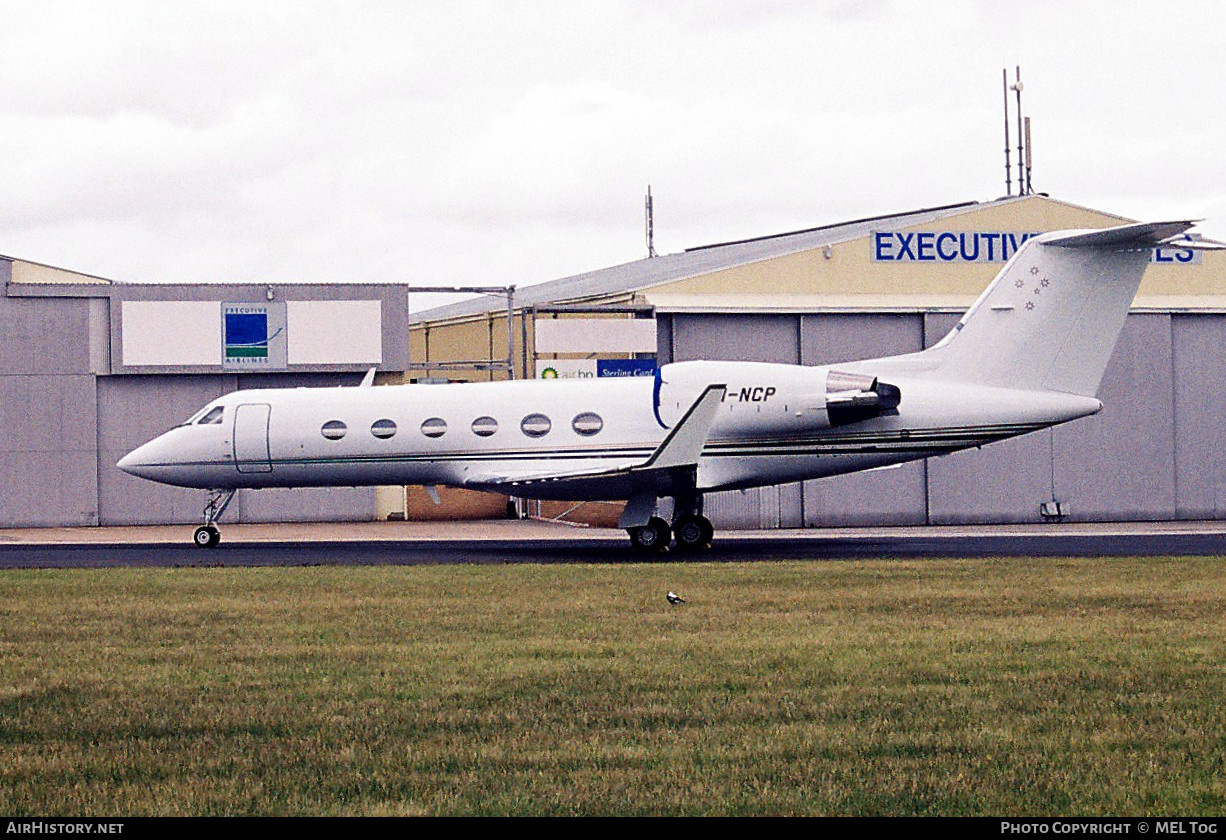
[253, 336]
[967, 246]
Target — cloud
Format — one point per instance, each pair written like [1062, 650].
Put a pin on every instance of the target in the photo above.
[491, 142]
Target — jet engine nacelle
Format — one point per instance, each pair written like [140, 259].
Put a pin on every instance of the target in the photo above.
[763, 397]
[852, 397]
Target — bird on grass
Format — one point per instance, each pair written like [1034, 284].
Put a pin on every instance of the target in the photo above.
[674, 598]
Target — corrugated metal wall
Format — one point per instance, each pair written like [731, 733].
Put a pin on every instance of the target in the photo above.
[893, 496]
[1199, 356]
[135, 409]
[47, 444]
[1157, 451]
[1116, 465]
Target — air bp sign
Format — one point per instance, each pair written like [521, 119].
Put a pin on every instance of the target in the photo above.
[253, 336]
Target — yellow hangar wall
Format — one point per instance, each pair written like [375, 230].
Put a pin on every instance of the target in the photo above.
[847, 274]
[483, 337]
[475, 338]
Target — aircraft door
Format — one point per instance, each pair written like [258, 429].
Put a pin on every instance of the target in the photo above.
[251, 454]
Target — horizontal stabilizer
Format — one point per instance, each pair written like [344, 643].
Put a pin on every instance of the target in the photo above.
[1143, 235]
[1196, 242]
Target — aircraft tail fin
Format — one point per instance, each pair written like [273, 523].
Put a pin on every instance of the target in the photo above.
[1052, 316]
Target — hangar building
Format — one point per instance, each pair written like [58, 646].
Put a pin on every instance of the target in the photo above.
[886, 285]
[90, 369]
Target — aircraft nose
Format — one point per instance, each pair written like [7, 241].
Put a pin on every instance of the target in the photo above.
[136, 462]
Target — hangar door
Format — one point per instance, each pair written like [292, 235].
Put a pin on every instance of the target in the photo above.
[133, 409]
[1117, 465]
[893, 497]
[743, 338]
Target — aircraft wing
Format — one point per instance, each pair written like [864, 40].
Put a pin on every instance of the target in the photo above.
[671, 465]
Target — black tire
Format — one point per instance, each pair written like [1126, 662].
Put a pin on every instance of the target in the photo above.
[693, 532]
[206, 536]
[651, 538]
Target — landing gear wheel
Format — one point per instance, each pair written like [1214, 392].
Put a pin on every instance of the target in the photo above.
[206, 536]
[653, 537]
[693, 532]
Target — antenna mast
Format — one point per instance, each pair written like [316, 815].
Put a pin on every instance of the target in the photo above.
[1008, 163]
[1029, 190]
[1021, 165]
[650, 221]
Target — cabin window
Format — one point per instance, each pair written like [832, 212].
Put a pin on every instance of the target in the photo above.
[535, 425]
[587, 424]
[383, 429]
[434, 427]
[334, 430]
[485, 426]
[212, 418]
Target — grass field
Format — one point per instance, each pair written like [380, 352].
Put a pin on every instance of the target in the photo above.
[887, 687]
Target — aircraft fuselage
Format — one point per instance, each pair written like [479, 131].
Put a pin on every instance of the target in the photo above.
[774, 424]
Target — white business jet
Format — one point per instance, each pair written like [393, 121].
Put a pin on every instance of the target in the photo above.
[1027, 355]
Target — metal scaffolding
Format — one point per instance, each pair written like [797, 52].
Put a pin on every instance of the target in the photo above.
[505, 364]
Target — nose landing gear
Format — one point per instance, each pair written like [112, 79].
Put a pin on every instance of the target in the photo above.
[208, 535]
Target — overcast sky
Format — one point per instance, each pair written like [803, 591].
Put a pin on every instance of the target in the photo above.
[504, 142]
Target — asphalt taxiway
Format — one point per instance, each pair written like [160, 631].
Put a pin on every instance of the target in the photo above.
[532, 541]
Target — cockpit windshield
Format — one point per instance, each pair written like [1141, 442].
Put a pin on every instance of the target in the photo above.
[205, 417]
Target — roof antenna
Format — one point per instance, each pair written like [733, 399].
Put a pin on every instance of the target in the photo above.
[1021, 161]
[1029, 189]
[1008, 163]
[650, 220]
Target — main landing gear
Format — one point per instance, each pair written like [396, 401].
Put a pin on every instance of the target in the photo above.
[693, 531]
[652, 537]
[690, 528]
[207, 535]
